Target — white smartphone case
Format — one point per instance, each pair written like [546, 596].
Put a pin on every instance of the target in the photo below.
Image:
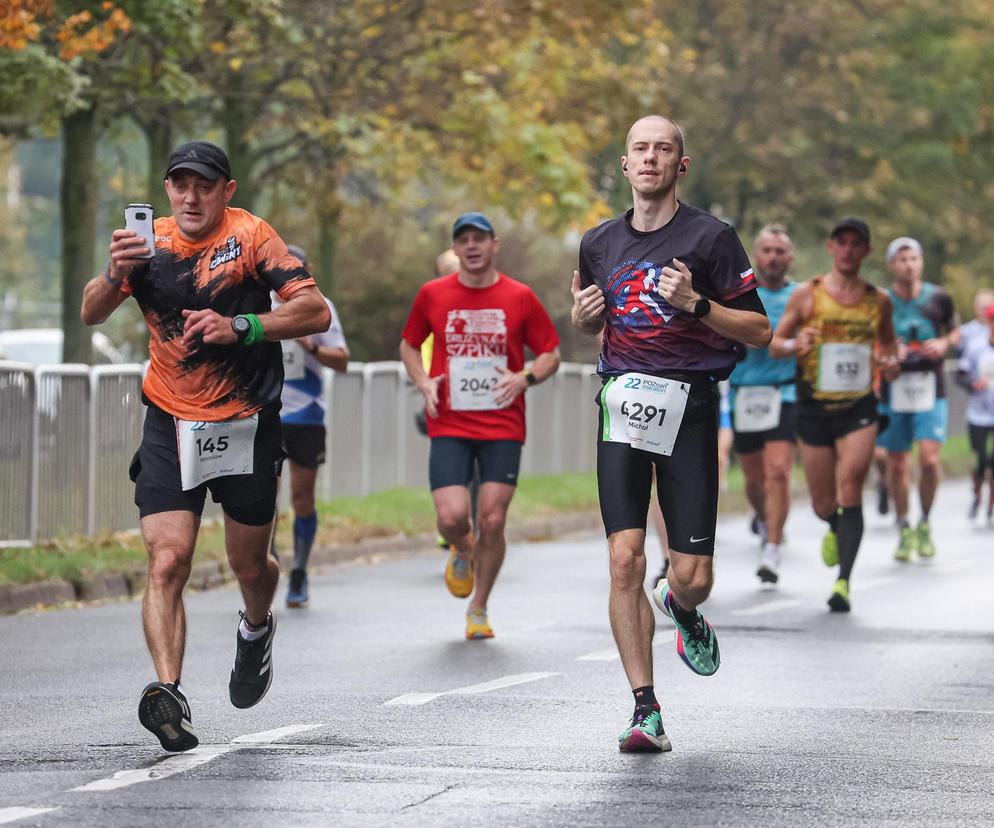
[138, 217]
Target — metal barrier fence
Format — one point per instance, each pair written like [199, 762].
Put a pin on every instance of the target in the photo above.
[68, 433]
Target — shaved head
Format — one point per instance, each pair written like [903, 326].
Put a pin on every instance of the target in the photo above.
[678, 133]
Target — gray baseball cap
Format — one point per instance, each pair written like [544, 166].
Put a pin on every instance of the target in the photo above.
[903, 243]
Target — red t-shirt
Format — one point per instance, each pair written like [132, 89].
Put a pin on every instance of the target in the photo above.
[499, 320]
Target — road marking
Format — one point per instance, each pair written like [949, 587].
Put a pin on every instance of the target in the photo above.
[769, 606]
[414, 699]
[529, 629]
[181, 762]
[601, 655]
[14, 814]
[873, 583]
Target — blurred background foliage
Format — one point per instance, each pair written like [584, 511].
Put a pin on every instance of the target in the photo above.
[359, 129]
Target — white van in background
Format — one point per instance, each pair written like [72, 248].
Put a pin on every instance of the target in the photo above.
[43, 346]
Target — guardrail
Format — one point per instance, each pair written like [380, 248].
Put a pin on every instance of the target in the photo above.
[68, 433]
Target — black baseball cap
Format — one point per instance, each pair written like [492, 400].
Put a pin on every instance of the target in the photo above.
[857, 225]
[477, 220]
[201, 157]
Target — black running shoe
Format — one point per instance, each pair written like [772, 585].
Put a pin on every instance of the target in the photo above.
[253, 671]
[754, 524]
[661, 575]
[883, 498]
[164, 710]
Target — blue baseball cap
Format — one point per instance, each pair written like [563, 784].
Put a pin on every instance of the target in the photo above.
[477, 220]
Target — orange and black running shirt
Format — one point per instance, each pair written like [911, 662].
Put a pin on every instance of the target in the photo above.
[232, 272]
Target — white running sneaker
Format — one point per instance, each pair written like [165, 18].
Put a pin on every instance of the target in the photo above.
[769, 564]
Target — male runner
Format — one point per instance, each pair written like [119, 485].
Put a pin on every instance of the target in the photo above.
[302, 417]
[976, 375]
[764, 405]
[212, 393]
[832, 324]
[915, 402]
[976, 330]
[474, 398]
[672, 291]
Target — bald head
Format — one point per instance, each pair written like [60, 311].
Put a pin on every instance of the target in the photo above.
[654, 121]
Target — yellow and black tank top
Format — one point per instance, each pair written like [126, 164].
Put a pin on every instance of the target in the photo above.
[839, 369]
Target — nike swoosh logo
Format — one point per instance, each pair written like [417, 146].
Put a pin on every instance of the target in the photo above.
[698, 540]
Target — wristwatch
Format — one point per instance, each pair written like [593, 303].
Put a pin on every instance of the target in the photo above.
[241, 326]
[530, 378]
[702, 307]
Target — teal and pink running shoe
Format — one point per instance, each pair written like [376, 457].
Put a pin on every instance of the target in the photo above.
[645, 734]
[697, 644]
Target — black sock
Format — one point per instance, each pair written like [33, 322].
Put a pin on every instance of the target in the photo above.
[685, 617]
[833, 521]
[850, 534]
[645, 698]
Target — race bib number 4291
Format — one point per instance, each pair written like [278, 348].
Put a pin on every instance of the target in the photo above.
[643, 411]
[209, 450]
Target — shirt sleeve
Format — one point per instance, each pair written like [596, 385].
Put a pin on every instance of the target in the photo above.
[334, 337]
[731, 273]
[586, 267]
[540, 333]
[418, 326]
[277, 266]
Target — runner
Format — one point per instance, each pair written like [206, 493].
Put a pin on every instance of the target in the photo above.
[212, 393]
[915, 402]
[673, 292]
[976, 329]
[303, 416]
[831, 324]
[481, 320]
[976, 374]
[764, 406]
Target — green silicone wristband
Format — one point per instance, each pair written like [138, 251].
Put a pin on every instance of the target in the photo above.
[255, 333]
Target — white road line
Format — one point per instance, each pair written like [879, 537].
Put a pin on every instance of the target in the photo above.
[181, 762]
[768, 607]
[601, 655]
[873, 583]
[14, 814]
[413, 699]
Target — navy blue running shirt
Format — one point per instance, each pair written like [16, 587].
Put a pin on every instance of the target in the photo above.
[643, 332]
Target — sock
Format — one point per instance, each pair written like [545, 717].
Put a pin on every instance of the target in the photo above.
[645, 698]
[850, 535]
[902, 523]
[833, 521]
[685, 617]
[251, 633]
[304, 530]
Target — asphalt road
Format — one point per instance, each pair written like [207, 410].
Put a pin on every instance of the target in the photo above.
[380, 713]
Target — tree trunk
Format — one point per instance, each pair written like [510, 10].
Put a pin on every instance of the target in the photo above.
[159, 141]
[238, 116]
[324, 272]
[78, 202]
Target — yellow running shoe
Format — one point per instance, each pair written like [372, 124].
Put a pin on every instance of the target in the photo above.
[459, 574]
[477, 625]
[830, 549]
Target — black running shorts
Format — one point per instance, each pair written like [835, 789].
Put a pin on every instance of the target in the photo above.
[687, 480]
[155, 472]
[304, 444]
[451, 460]
[820, 426]
[746, 442]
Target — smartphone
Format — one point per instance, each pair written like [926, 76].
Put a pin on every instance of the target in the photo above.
[138, 217]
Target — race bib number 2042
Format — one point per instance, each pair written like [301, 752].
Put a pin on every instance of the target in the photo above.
[643, 411]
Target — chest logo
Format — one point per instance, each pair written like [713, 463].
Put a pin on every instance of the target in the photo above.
[634, 298]
[222, 255]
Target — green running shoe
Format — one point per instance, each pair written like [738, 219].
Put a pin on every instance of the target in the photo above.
[830, 549]
[907, 545]
[924, 537]
[697, 644]
[645, 734]
[838, 601]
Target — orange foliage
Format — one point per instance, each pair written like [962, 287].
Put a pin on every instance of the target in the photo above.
[22, 22]
[19, 22]
[77, 40]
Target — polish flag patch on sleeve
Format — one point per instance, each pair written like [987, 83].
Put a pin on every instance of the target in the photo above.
[746, 275]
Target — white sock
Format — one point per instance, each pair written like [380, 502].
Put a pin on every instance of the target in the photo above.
[249, 634]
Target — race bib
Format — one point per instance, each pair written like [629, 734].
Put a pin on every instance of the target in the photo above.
[644, 411]
[757, 408]
[293, 360]
[844, 367]
[473, 383]
[913, 392]
[209, 450]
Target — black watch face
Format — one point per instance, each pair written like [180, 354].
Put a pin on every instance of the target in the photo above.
[240, 324]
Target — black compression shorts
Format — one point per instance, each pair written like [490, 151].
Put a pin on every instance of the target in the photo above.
[304, 444]
[686, 481]
[156, 475]
[746, 442]
[451, 461]
[818, 426]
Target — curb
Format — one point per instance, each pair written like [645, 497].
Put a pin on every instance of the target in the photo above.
[212, 574]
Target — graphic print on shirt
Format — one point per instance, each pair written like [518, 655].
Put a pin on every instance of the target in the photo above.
[476, 333]
[634, 299]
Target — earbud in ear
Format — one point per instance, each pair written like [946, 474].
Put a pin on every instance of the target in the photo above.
[624, 167]
[683, 168]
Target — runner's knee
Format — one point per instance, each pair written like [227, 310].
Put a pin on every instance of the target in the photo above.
[627, 565]
[694, 576]
[169, 565]
[492, 523]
